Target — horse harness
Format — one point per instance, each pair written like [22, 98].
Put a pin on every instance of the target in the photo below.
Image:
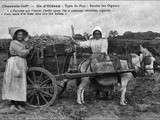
[145, 61]
[115, 61]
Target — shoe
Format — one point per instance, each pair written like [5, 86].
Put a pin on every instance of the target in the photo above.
[13, 107]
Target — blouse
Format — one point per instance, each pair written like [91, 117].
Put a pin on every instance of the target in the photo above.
[18, 48]
[97, 46]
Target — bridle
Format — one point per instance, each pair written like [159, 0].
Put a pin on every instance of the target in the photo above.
[142, 66]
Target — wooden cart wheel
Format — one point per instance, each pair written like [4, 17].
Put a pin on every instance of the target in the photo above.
[41, 87]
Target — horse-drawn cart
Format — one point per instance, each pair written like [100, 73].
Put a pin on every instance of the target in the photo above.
[48, 74]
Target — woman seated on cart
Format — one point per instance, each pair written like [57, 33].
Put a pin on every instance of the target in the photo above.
[98, 44]
[99, 47]
[14, 82]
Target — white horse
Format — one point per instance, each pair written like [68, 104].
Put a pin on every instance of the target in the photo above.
[143, 62]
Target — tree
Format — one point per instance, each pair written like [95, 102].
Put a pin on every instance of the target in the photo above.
[113, 33]
[128, 34]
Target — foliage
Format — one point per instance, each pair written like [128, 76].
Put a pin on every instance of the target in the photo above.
[4, 43]
[149, 35]
[46, 40]
[113, 33]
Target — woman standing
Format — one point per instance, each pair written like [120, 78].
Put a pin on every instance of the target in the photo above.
[14, 83]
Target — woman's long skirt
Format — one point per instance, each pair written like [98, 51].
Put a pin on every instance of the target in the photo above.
[14, 82]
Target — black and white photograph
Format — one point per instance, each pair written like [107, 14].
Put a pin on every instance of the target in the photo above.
[79, 60]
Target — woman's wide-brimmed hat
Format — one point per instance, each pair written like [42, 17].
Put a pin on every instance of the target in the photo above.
[14, 30]
[97, 28]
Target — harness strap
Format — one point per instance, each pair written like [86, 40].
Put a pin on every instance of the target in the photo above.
[130, 65]
[129, 62]
[116, 62]
[89, 65]
[117, 65]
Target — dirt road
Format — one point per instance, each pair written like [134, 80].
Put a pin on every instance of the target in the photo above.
[143, 104]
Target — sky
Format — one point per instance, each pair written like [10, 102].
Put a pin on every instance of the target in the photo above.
[136, 16]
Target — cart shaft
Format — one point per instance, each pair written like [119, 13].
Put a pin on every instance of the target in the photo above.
[93, 74]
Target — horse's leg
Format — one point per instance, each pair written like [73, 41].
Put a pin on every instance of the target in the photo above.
[111, 92]
[124, 82]
[82, 96]
[80, 92]
[79, 95]
[97, 95]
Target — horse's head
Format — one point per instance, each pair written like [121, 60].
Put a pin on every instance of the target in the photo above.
[144, 62]
[147, 64]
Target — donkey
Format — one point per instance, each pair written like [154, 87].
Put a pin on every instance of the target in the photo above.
[144, 62]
